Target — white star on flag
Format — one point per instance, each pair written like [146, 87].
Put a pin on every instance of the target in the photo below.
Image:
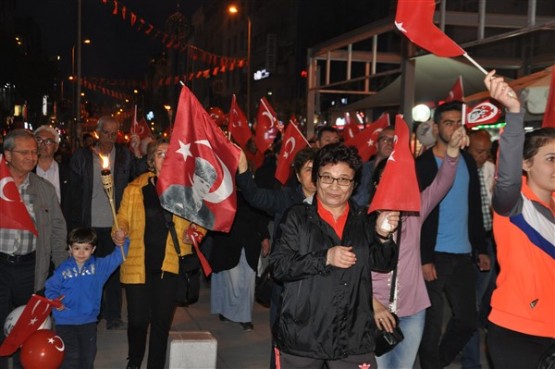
[33, 321]
[370, 142]
[185, 150]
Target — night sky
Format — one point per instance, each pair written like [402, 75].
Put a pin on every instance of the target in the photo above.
[117, 49]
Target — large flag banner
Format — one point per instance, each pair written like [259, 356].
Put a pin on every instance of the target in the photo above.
[457, 91]
[140, 128]
[33, 315]
[366, 140]
[415, 18]
[14, 214]
[351, 127]
[238, 125]
[266, 125]
[398, 188]
[196, 181]
[549, 114]
[485, 112]
[293, 142]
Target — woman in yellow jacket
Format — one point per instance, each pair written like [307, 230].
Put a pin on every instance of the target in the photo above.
[149, 273]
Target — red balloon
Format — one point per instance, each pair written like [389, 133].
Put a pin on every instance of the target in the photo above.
[217, 115]
[42, 350]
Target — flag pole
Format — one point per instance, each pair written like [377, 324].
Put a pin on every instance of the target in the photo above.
[510, 93]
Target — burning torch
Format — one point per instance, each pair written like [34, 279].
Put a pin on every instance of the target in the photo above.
[108, 184]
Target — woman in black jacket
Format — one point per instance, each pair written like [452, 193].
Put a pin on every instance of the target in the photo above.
[324, 256]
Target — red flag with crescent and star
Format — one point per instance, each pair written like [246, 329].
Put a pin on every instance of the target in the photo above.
[197, 177]
[398, 188]
[34, 314]
[415, 19]
[549, 114]
[365, 141]
[351, 127]
[238, 125]
[14, 214]
[140, 128]
[457, 91]
[293, 142]
[266, 126]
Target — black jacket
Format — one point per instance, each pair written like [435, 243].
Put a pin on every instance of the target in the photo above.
[426, 170]
[326, 312]
[81, 164]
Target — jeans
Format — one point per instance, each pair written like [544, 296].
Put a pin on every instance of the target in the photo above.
[80, 345]
[112, 296]
[404, 354]
[484, 289]
[456, 276]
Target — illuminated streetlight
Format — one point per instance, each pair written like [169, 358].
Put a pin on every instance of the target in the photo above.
[233, 9]
[170, 113]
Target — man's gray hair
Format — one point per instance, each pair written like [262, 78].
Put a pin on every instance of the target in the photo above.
[48, 129]
[105, 119]
[9, 140]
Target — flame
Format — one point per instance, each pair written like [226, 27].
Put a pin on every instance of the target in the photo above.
[105, 161]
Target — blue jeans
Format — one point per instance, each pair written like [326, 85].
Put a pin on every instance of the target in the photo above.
[404, 354]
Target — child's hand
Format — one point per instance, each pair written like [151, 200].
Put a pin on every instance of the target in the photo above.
[61, 307]
[119, 237]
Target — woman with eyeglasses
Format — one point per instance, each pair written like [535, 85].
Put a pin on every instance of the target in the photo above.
[149, 274]
[324, 256]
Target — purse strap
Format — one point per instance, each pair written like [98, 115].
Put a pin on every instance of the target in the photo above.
[171, 227]
[394, 275]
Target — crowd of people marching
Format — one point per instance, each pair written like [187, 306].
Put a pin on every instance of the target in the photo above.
[483, 241]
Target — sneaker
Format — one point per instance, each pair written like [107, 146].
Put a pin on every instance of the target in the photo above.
[247, 327]
[223, 318]
[116, 324]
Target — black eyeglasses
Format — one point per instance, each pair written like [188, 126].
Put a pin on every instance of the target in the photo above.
[327, 179]
[47, 141]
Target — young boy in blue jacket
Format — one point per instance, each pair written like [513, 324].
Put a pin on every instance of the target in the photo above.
[80, 280]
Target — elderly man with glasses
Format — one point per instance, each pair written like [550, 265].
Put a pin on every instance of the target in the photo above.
[25, 258]
[48, 141]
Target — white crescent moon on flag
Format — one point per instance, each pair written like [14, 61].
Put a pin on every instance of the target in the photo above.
[59, 348]
[377, 131]
[293, 144]
[4, 182]
[225, 189]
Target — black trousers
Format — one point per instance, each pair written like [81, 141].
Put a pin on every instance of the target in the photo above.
[288, 361]
[456, 277]
[151, 304]
[80, 345]
[17, 284]
[112, 293]
[514, 350]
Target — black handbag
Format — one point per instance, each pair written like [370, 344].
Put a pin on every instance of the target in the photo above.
[386, 341]
[263, 288]
[188, 281]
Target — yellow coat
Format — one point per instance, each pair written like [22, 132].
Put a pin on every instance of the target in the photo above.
[131, 217]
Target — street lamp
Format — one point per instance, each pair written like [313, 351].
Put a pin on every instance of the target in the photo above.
[233, 9]
[170, 114]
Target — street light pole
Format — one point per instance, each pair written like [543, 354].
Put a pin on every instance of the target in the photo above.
[78, 97]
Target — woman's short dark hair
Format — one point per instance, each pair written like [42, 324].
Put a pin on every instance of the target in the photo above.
[305, 155]
[536, 139]
[82, 235]
[151, 151]
[336, 153]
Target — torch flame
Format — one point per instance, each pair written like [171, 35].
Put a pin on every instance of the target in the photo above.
[105, 161]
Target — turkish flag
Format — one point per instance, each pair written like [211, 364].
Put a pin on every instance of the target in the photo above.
[33, 315]
[351, 127]
[415, 18]
[398, 188]
[365, 141]
[266, 126]
[238, 125]
[196, 181]
[293, 142]
[485, 112]
[14, 214]
[549, 114]
[456, 92]
[140, 128]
